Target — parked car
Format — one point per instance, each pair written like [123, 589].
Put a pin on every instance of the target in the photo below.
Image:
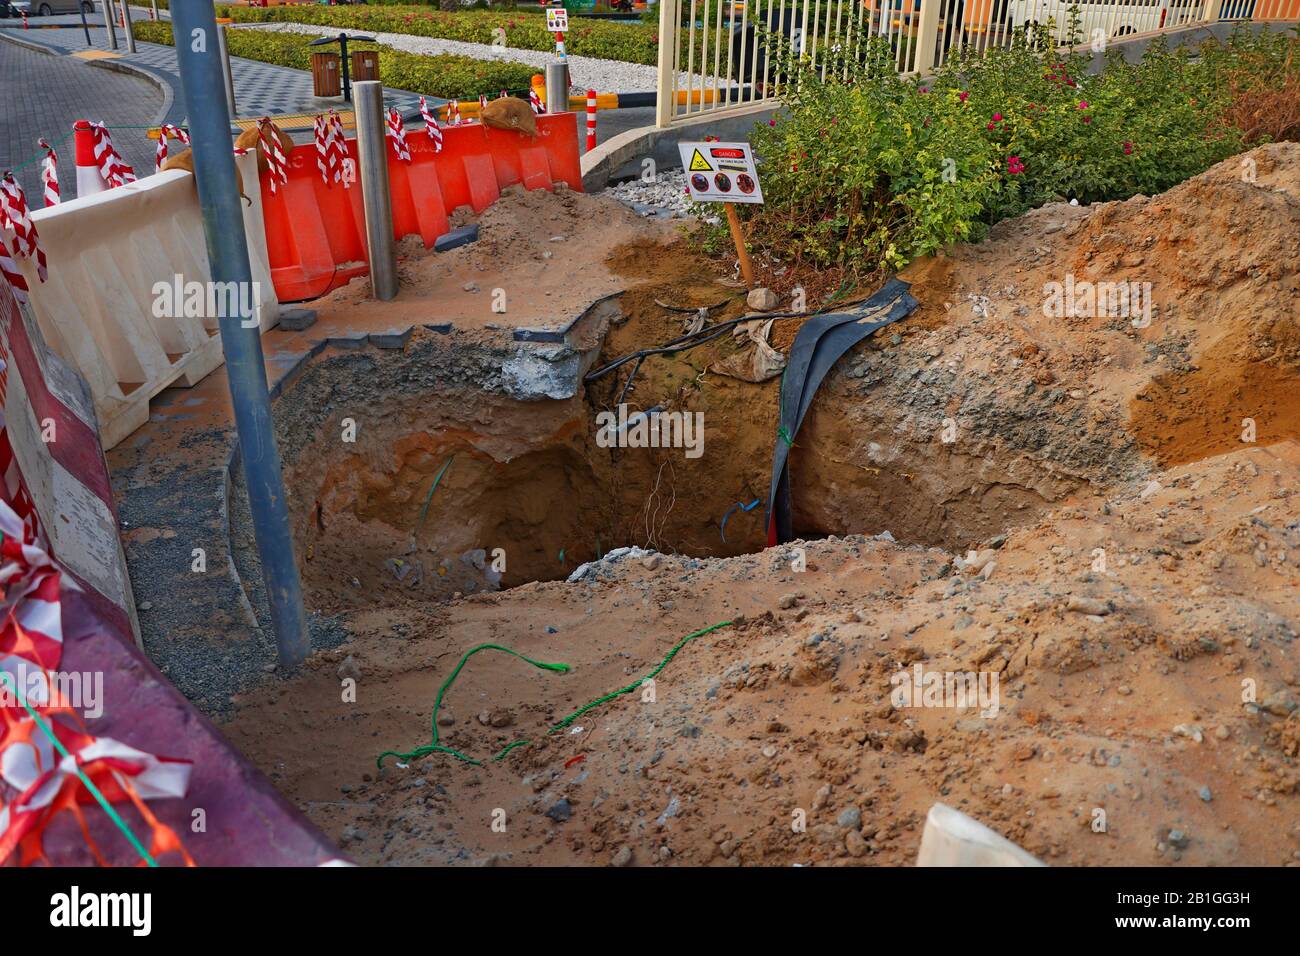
[48, 8]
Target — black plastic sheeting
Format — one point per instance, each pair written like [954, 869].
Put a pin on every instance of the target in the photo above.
[820, 343]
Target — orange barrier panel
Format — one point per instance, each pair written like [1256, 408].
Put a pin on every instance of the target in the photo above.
[315, 233]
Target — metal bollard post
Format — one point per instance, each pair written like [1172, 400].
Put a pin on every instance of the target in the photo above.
[372, 157]
[107, 7]
[126, 26]
[557, 88]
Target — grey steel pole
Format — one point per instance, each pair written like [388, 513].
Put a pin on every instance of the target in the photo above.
[109, 20]
[223, 227]
[227, 74]
[372, 156]
[557, 87]
[126, 26]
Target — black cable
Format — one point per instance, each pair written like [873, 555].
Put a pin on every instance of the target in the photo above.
[710, 332]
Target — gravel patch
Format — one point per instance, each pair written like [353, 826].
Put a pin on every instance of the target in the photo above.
[604, 76]
[665, 197]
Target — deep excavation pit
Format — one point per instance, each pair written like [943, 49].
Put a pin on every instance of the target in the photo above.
[459, 479]
[1074, 434]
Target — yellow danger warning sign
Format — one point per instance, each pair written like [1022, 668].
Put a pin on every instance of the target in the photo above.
[699, 164]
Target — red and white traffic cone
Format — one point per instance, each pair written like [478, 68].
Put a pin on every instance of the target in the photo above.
[89, 180]
[591, 120]
[24, 13]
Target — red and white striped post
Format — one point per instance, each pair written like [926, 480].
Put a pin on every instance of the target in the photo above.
[24, 13]
[89, 180]
[591, 120]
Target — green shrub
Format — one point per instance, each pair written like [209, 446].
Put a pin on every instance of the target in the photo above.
[445, 75]
[867, 170]
[630, 42]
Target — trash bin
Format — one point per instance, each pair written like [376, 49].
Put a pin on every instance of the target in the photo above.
[325, 77]
[365, 65]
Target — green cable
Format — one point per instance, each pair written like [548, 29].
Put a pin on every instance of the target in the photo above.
[436, 747]
[94, 791]
[429, 497]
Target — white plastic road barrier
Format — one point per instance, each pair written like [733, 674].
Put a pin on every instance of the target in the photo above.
[951, 838]
[110, 307]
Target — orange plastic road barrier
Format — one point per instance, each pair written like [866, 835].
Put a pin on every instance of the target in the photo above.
[315, 233]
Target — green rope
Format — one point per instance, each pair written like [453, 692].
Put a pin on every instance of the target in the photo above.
[429, 497]
[436, 746]
[94, 791]
[55, 144]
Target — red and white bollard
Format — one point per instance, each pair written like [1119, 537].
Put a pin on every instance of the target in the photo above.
[89, 180]
[591, 120]
[24, 13]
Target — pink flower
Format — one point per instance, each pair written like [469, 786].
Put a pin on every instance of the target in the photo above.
[963, 96]
[1087, 119]
[990, 126]
[1128, 149]
[1014, 166]
[997, 117]
[771, 122]
[1083, 105]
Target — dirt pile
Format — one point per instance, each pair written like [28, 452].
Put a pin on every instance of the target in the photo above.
[1064, 526]
[1121, 634]
[538, 262]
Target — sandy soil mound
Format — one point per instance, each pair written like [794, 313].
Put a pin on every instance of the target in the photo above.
[1073, 514]
[1119, 690]
[544, 251]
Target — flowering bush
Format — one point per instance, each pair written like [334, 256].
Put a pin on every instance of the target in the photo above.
[866, 170]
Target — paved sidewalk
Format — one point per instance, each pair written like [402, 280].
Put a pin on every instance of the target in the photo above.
[261, 89]
[46, 94]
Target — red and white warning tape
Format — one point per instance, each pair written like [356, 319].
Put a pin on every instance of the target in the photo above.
[276, 163]
[431, 126]
[50, 174]
[47, 781]
[166, 130]
[397, 135]
[15, 216]
[9, 270]
[338, 148]
[320, 134]
[111, 166]
[535, 101]
[453, 113]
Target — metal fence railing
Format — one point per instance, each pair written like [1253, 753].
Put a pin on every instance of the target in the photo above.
[717, 56]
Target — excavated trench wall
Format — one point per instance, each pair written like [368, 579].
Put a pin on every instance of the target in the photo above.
[469, 462]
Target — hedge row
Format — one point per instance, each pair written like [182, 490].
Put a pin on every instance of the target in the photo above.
[445, 75]
[629, 42]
